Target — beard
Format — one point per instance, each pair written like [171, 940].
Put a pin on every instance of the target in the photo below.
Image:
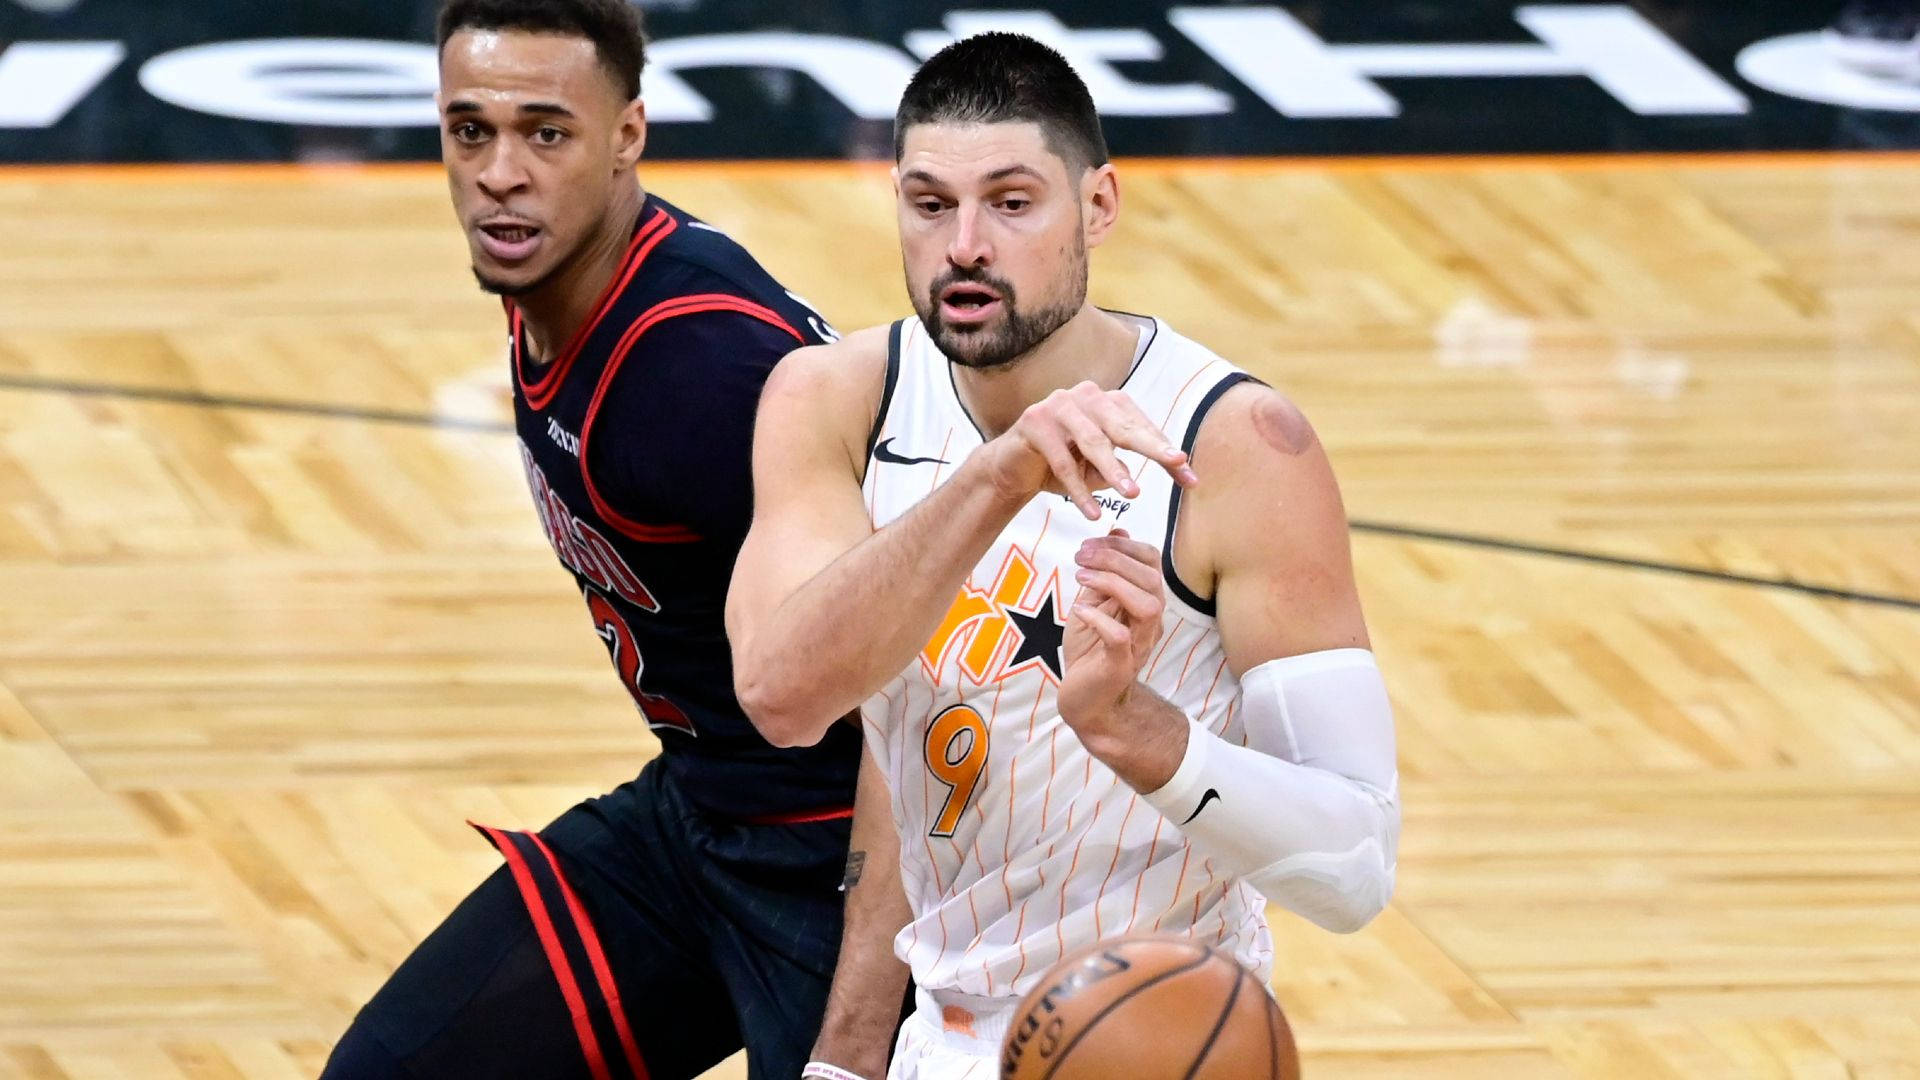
[1002, 342]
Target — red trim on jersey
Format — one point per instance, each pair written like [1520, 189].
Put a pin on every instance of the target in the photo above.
[659, 313]
[801, 817]
[550, 943]
[597, 959]
[540, 393]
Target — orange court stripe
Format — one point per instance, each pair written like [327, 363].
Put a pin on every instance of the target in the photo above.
[281, 172]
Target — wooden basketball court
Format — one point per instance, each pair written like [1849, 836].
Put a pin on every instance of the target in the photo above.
[1632, 447]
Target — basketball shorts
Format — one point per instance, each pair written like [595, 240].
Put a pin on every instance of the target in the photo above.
[952, 1036]
[633, 938]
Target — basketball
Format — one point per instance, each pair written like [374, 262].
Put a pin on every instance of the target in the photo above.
[1148, 1008]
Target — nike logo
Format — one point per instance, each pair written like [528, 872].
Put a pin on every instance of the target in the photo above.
[882, 452]
[1210, 796]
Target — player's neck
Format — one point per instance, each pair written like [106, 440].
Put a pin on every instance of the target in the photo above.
[1092, 345]
[553, 313]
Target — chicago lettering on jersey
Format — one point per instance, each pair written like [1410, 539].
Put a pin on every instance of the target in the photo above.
[579, 546]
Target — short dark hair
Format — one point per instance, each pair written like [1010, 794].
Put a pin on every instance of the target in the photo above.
[613, 26]
[1001, 78]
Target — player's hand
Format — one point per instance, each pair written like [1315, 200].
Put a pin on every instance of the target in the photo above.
[1065, 444]
[1112, 628]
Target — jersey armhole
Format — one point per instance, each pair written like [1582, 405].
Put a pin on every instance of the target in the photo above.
[895, 334]
[677, 307]
[1179, 588]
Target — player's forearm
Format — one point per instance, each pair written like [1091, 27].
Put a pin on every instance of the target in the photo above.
[869, 982]
[855, 625]
[1143, 742]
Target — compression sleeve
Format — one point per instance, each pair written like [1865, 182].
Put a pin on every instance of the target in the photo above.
[1309, 811]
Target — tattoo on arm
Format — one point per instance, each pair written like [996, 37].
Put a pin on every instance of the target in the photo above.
[856, 862]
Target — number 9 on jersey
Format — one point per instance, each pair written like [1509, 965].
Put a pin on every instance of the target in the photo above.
[956, 756]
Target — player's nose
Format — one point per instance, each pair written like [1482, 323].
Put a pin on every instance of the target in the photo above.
[503, 171]
[968, 245]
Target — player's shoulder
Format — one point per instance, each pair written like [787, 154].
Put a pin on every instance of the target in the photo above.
[850, 370]
[693, 257]
[835, 391]
[1253, 434]
[1267, 493]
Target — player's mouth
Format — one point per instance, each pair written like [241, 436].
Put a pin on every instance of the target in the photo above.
[967, 303]
[508, 239]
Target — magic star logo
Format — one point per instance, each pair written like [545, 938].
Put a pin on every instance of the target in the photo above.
[990, 634]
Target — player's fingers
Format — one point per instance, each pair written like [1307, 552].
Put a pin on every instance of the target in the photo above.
[1144, 576]
[1109, 629]
[1139, 605]
[1108, 552]
[1097, 449]
[1068, 471]
[1128, 427]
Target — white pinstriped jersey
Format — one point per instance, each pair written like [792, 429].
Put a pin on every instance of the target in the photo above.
[1016, 845]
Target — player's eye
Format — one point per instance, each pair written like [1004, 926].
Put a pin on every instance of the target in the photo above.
[929, 206]
[1015, 203]
[467, 132]
[549, 136]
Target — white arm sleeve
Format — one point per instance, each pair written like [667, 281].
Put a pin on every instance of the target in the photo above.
[1309, 811]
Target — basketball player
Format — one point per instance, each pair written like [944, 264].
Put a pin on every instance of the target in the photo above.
[651, 931]
[1082, 734]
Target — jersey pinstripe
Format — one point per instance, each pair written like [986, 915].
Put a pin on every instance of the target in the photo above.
[1017, 846]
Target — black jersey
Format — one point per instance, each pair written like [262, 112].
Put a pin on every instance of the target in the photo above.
[637, 441]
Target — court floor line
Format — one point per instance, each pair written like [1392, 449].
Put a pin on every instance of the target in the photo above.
[169, 396]
[1521, 547]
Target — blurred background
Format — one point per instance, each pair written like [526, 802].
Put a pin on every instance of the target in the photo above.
[1608, 313]
[334, 80]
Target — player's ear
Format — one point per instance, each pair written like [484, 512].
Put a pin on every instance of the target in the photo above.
[630, 137]
[1099, 201]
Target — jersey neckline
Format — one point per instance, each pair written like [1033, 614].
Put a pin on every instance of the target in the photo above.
[1149, 333]
[540, 392]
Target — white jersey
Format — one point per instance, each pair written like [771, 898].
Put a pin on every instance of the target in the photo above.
[1017, 845]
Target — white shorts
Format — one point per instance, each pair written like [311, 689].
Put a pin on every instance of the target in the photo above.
[952, 1036]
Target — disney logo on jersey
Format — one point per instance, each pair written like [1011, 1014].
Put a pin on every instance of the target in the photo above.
[1112, 504]
[580, 546]
[996, 633]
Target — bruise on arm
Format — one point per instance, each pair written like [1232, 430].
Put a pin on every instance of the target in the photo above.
[1282, 425]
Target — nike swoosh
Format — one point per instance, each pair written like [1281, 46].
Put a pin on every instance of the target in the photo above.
[1210, 796]
[884, 454]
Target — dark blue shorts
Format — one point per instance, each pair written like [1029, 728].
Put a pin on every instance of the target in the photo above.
[634, 937]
